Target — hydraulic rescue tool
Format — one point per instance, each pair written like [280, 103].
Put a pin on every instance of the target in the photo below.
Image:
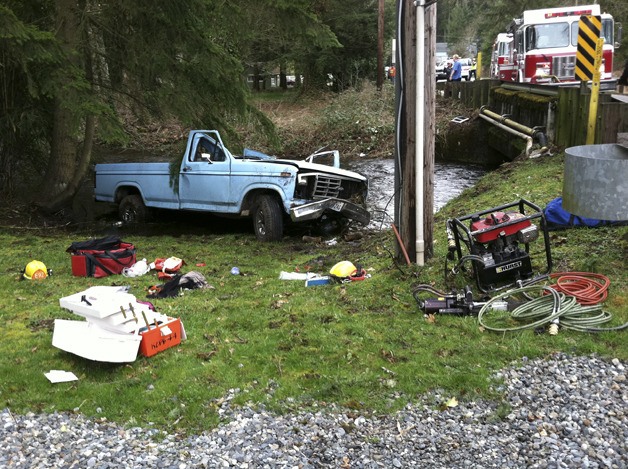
[457, 303]
[498, 241]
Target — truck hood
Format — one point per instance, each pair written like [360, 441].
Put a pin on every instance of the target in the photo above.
[305, 167]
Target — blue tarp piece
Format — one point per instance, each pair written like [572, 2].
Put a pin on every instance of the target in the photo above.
[559, 219]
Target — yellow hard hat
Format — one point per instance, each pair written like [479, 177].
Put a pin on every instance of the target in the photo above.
[35, 270]
[343, 269]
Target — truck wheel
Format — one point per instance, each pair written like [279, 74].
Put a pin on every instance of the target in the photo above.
[132, 210]
[268, 219]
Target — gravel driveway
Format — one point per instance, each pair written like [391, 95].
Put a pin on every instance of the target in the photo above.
[562, 412]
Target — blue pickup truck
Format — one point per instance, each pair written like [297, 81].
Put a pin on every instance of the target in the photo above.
[212, 179]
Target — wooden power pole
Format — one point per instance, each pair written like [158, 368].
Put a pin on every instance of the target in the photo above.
[405, 152]
[380, 45]
[429, 145]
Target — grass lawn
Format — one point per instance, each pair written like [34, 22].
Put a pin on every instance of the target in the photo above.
[364, 345]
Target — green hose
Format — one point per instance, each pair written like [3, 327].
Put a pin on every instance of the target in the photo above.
[556, 308]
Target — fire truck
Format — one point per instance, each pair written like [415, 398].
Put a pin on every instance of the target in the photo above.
[541, 46]
[501, 53]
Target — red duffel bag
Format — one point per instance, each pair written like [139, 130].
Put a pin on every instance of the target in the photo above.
[101, 257]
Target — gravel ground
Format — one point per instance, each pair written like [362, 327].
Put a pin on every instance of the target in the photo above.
[562, 412]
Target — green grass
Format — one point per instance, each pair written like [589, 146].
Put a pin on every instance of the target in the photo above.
[363, 345]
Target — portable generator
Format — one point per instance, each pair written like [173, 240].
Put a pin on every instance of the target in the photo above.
[498, 243]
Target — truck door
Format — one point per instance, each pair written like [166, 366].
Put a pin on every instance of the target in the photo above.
[204, 180]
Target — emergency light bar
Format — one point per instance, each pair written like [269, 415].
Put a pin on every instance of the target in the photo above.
[560, 14]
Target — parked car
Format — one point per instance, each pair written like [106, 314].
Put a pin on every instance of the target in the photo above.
[443, 69]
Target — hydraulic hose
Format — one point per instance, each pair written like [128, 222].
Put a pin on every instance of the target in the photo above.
[418, 289]
[582, 285]
[552, 307]
[553, 298]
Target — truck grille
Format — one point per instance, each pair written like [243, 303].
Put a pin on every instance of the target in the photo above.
[325, 187]
[316, 186]
[564, 66]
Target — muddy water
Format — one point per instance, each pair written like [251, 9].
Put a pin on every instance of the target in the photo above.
[450, 179]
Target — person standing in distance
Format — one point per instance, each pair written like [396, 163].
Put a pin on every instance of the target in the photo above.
[472, 70]
[456, 70]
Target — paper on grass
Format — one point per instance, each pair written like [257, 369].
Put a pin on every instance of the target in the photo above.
[60, 376]
[297, 275]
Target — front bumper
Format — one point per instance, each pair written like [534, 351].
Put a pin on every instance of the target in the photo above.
[314, 210]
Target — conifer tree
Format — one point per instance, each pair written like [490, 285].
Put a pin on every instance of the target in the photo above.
[156, 59]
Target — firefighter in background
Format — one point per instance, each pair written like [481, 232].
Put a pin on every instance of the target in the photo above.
[472, 74]
[392, 72]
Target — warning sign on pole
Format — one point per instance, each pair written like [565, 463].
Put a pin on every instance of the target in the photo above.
[588, 34]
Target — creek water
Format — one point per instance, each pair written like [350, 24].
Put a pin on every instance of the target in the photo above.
[450, 179]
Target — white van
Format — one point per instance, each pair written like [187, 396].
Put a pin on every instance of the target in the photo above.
[466, 68]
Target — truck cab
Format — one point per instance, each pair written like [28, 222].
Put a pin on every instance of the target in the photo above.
[210, 178]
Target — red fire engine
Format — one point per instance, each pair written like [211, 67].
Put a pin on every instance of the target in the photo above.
[542, 45]
[501, 53]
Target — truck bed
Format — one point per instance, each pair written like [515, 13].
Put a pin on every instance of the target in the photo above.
[154, 178]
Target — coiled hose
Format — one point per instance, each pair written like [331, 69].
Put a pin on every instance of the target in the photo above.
[584, 286]
[552, 307]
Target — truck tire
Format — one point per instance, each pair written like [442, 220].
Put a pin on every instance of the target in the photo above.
[132, 210]
[268, 219]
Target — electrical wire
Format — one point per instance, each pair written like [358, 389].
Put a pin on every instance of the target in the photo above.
[385, 209]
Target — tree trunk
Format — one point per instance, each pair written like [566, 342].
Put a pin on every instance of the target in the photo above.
[69, 157]
[283, 82]
[256, 78]
[313, 79]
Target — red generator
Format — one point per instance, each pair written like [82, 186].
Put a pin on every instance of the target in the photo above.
[498, 243]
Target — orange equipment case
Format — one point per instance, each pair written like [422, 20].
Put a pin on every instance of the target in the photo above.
[161, 337]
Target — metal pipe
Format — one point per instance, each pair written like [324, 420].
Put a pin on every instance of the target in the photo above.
[531, 132]
[538, 89]
[507, 121]
[511, 131]
[551, 122]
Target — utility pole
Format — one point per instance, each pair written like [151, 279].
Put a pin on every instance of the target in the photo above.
[414, 152]
[429, 142]
[380, 45]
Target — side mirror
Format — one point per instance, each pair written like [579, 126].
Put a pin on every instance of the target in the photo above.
[618, 35]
